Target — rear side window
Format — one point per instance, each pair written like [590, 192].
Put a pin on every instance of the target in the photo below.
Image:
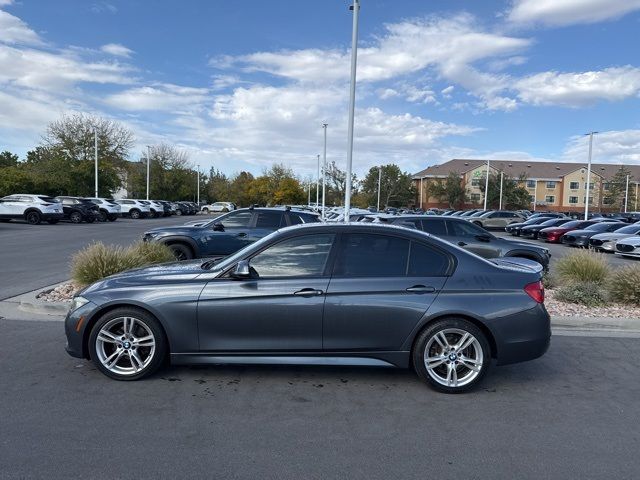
[434, 227]
[425, 261]
[371, 255]
[268, 220]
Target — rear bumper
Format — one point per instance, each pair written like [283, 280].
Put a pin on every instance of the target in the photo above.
[523, 336]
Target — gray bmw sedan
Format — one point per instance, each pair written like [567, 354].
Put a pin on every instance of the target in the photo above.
[341, 294]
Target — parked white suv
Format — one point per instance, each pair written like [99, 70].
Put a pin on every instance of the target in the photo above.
[218, 207]
[32, 208]
[133, 208]
[108, 209]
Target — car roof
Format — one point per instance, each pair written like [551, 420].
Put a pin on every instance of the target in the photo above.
[355, 227]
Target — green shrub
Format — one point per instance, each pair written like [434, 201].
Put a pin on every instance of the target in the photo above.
[624, 286]
[590, 294]
[548, 280]
[148, 253]
[583, 266]
[98, 260]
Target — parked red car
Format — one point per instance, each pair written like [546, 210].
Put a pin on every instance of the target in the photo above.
[554, 234]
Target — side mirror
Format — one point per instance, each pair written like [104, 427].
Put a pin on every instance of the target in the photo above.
[218, 227]
[242, 270]
[483, 238]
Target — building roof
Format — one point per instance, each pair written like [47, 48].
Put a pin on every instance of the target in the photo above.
[531, 170]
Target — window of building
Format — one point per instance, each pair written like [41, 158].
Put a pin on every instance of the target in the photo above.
[551, 185]
[475, 197]
[607, 200]
[475, 182]
[550, 199]
[573, 200]
[584, 199]
[590, 185]
[574, 186]
[531, 184]
[605, 186]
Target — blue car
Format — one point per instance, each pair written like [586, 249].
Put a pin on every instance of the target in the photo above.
[227, 233]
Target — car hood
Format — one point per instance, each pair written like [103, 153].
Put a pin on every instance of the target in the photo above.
[533, 246]
[176, 229]
[611, 236]
[634, 240]
[154, 274]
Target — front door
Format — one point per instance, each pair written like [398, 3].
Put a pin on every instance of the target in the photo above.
[279, 309]
[381, 288]
[233, 234]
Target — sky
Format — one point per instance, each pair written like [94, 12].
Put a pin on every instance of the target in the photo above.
[241, 85]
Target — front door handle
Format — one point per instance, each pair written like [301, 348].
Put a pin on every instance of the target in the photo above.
[241, 234]
[420, 289]
[308, 292]
[461, 244]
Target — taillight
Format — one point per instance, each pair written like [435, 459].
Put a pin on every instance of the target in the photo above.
[536, 291]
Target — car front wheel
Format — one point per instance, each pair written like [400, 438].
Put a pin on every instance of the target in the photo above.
[127, 344]
[75, 217]
[452, 355]
[181, 252]
[135, 214]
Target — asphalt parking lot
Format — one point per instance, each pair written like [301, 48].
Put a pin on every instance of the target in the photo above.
[569, 414]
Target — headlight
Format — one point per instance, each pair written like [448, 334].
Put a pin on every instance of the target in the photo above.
[77, 302]
[150, 235]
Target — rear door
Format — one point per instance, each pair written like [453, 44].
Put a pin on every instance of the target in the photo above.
[381, 287]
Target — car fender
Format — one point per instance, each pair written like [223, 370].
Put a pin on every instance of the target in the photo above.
[32, 209]
[181, 239]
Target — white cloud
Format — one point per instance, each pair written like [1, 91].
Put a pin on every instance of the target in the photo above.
[6, 3]
[569, 12]
[117, 50]
[448, 90]
[160, 97]
[15, 31]
[104, 7]
[616, 146]
[579, 89]
[386, 93]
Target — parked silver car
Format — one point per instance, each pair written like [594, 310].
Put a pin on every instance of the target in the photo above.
[498, 219]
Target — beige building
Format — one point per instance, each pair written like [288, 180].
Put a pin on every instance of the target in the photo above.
[552, 186]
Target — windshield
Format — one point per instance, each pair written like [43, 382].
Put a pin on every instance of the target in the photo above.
[553, 222]
[602, 227]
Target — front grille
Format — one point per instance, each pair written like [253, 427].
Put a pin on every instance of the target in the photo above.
[596, 242]
[625, 248]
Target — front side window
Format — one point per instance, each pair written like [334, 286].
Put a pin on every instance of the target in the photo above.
[434, 227]
[304, 256]
[371, 255]
[237, 220]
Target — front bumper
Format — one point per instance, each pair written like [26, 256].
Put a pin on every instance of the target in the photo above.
[75, 327]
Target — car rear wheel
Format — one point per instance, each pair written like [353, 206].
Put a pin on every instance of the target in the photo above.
[135, 214]
[178, 212]
[75, 217]
[181, 251]
[102, 216]
[33, 218]
[205, 210]
[127, 344]
[452, 355]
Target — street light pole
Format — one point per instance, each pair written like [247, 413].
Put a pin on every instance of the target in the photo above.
[486, 186]
[198, 183]
[148, 161]
[379, 183]
[352, 102]
[324, 168]
[586, 199]
[318, 185]
[626, 195]
[501, 177]
[95, 146]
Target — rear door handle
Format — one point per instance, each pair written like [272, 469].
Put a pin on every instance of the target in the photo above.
[461, 244]
[421, 289]
[308, 292]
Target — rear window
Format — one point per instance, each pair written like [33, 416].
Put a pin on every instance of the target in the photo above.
[425, 261]
[434, 227]
[48, 199]
[371, 255]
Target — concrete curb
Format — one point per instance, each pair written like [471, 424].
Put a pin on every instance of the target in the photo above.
[27, 302]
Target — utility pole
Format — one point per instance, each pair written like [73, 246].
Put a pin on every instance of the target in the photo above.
[95, 146]
[318, 185]
[626, 195]
[148, 161]
[586, 199]
[486, 186]
[501, 177]
[198, 183]
[309, 193]
[324, 169]
[379, 183]
[352, 102]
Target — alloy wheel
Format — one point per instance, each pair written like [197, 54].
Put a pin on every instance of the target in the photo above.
[453, 357]
[125, 346]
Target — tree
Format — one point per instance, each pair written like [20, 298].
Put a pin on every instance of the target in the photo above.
[240, 189]
[336, 185]
[614, 195]
[8, 159]
[277, 186]
[217, 186]
[514, 194]
[449, 190]
[396, 187]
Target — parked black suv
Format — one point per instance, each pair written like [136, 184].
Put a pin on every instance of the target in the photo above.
[78, 209]
[472, 237]
[227, 233]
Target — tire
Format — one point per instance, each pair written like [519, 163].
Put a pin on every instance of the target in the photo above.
[205, 211]
[111, 338]
[153, 214]
[33, 217]
[181, 251]
[442, 337]
[52, 221]
[134, 213]
[102, 216]
[112, 218]
[179, 212]
[75, 217]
